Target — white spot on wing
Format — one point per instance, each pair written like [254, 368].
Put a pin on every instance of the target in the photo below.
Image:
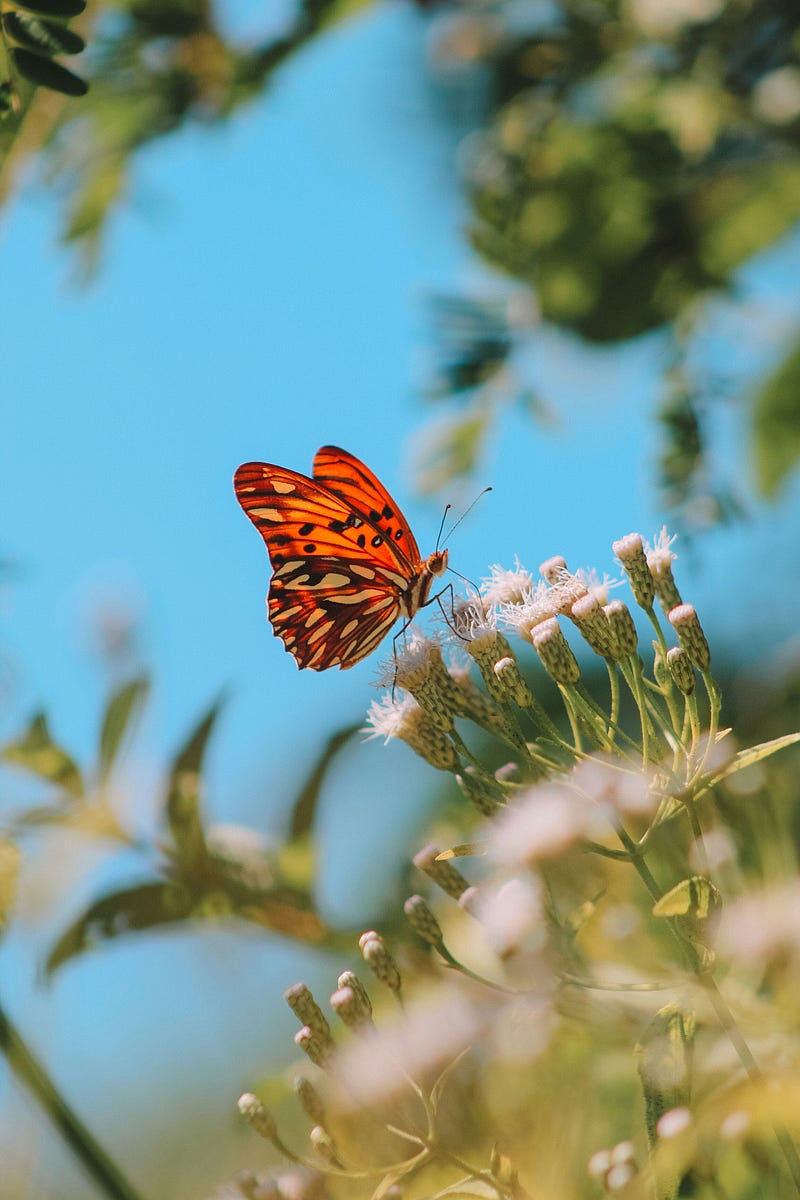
[400, 580]
[282, 487]
[320, 632]
[355, 597]
[266, 514]
[364, 572]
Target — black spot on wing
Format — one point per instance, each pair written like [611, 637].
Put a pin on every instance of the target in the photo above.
[362, 540]
[306, 529]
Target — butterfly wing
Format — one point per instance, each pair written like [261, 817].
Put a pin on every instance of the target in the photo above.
[334, 625]
[338, 578]
[347, 477]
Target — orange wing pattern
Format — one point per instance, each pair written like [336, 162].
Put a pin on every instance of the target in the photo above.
[343, 555]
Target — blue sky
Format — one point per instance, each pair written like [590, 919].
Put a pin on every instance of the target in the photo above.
[263, 294]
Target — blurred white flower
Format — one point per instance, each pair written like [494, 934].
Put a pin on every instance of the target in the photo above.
[425, 1038]
[541, 823]
[763, 927]
[629, 793]
[512, 915]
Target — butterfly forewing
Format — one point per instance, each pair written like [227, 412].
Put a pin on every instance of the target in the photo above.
[350, 479]
[340, 550]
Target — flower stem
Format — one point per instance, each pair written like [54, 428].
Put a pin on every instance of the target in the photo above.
[30, 1072]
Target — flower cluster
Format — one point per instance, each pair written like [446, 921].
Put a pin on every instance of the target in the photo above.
[586, 893]
[427, 698]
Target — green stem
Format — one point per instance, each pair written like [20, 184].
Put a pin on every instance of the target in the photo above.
[654, 621]
[697, 831]
[694, 725]
[538, 715]
[613, 680]
[715, 705]
[593, 716]
[454, 965]
[577, 747]
[32, 1074]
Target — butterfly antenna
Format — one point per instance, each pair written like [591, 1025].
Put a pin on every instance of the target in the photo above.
[447, 508]
[465, 513]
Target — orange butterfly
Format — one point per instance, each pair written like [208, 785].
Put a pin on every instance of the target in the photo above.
[346, 564]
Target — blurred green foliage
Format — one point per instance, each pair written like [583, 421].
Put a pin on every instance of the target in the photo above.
[627, 158]
[195, 871]
[634, 156]
[153, 65]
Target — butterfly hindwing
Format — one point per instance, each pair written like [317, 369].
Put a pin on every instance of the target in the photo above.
[326, 619]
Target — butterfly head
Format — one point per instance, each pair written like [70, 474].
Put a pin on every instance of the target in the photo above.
[436, 563]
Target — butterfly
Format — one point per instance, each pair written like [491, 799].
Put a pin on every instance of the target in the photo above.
[346, 564]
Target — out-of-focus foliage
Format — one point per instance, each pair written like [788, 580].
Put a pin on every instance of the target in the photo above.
[29, 41]
[475, 341]
[635, 155]
[627, 158]
[153, 65]
[776, 424]
[196, 871]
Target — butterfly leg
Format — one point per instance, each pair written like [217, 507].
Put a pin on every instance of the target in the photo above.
[450, 621]
[400, 633]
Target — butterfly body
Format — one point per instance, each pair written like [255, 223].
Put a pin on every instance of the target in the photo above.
[346, 564]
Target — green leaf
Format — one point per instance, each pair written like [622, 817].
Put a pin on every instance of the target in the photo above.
[465, 850]
[53, 8]
[746, 758]
[451, 448]
[121, 710]
[245, 872]
[776, 425]
[227, 888]
[305, 805]
[45, 73]
[134, 909]
[9, 878]
[183, 796]
[695, 897]
[37, 752]
[43, 37]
